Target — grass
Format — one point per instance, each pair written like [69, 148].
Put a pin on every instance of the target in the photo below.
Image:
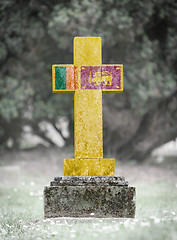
[21, 206]
[21, 216]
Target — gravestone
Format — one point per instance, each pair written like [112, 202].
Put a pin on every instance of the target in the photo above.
[89, 187]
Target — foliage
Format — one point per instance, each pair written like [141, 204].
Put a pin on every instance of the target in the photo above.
[35, 34]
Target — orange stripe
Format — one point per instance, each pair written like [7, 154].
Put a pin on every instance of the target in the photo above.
[70, 78]
[76, 77]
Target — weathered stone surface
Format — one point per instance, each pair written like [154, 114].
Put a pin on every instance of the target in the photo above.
[89, 197]
[85, 181]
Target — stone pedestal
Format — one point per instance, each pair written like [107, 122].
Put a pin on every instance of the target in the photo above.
[89, 197]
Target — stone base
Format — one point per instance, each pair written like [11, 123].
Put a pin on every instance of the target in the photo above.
[106, 197]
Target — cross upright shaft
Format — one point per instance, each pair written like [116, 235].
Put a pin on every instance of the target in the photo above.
[88, 117]
[88, 103]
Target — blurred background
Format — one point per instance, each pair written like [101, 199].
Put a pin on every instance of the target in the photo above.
[141, 35]
[37, 126]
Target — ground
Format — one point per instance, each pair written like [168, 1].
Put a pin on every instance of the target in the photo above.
[24, 174]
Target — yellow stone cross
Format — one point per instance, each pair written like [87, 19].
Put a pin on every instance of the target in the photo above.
[88, 78]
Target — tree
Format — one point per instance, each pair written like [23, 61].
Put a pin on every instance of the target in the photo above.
[141, 35]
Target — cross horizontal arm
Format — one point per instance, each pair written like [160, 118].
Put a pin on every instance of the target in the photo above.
[68, 78]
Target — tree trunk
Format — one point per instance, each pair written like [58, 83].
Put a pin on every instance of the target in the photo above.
[156, 127]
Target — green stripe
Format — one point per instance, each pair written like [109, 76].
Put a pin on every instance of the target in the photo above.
[60, 77]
